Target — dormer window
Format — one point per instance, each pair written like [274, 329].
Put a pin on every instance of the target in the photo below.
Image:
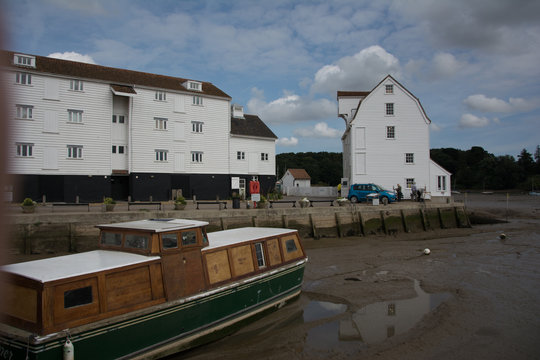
[24, 60]
[193, 85]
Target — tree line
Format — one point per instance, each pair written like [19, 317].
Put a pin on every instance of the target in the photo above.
[474, 169]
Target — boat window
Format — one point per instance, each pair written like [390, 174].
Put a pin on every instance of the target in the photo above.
[136, 241]
[78, 297]
[204, 237]
[110, 238]
[189, 237]
[170, 241]
[259, 252]
[290, 245]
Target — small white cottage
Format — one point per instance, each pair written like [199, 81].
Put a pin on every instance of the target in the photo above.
[295, 178]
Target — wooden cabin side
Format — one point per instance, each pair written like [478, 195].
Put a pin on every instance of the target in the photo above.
[44, 308]
[237, 261]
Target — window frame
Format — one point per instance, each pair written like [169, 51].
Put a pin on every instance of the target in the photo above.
[443, 187]
[259, 255]
[389, 89]
[409, 182]
[197, 157]
[391, 132]
[409, 158]
[78, 118]
[160, 96]
[24, 150]
[240, 155]
[389, 109]
[74, 152]
[264, 156]
[24, 112]
[76, 85]
[161, 155]
[197, 127]
[160, 123]
[197, 100]
[19, 76]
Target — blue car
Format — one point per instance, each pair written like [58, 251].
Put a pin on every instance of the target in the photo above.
[359, 192]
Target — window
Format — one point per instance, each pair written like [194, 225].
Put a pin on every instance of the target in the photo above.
[161, 96]
[409, 158]
[24, 150]
[259, 253]
[75, 116]
[78, 297]
[76, 85]
[264, 156]
[194, 86]
[197, 100]
[24, 60]
[121, 149]
[170, 241]
[197, 156]
[109, 238]
[197, 126]
[135, 241]
[389, 89]
[24, 111]
[23, 78]
[390, 132]
[189, 238]
[441, 183]
[389, 108]
[74, 151]
[161, 123]
[161, 155]
[240, 155]
[120, 119]
[409, 182]
[290, 245]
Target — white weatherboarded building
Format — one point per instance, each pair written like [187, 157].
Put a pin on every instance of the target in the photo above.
[386, 140]
[84, 131]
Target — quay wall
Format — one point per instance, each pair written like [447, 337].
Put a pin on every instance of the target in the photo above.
[41, 233]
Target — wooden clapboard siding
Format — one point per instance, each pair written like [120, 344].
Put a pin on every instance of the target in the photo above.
[252, 146]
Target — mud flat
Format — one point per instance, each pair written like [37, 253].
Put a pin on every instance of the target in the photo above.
[476, 296]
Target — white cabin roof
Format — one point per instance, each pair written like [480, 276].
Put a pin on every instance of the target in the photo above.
[62, 267]
[235, 236]
[156, 225]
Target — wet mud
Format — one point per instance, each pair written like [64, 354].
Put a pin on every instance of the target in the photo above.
[475, 296]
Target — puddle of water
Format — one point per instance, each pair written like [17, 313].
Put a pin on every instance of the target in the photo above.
[372, 323]
[316, 310]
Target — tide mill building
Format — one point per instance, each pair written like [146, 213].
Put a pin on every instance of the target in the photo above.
[84, 131]
[386, 141]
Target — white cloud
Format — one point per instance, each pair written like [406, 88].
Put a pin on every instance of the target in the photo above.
[73, 56]
[361, 71]
[292, 141]
[481, 102]
[434, 127]
[290, 108]
[320, 130]
[472, 121]
[445, 65]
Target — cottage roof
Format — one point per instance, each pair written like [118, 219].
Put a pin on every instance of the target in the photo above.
[250, 125]
[342, 93]
[299, 174]
[108, 74]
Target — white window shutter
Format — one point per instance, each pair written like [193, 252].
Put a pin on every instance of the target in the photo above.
[51, 91]
[50, 121]
[179, 103]
[50, 158]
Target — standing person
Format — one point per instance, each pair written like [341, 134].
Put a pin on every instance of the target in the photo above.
[339, 190]
[399, 193]
[413, 191]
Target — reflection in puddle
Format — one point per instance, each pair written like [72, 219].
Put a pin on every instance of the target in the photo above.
[372, 323]
[316, 310]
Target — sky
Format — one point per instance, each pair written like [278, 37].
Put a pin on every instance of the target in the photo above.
[473, 64]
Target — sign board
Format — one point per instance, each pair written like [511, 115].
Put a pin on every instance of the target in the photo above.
[235, 182]
[255, 197]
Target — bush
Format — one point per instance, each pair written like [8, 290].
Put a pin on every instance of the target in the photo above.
[180, 200]
[28, 202]
[109, 201]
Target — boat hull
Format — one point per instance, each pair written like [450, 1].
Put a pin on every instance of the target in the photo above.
[182, 325]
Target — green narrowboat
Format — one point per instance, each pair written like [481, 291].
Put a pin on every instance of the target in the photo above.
[153, 288]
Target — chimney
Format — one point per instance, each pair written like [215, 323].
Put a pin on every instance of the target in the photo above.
[237, 111]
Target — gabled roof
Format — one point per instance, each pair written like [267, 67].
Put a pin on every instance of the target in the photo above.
[251, 125]
[115, 76]
[299, 174]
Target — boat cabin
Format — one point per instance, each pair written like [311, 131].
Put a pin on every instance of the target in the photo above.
[139, 265]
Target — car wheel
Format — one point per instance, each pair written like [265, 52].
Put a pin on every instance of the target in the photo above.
[354, 199]
[384, 200]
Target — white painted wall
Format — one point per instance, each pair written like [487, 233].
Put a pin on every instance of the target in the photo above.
[252, 148]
